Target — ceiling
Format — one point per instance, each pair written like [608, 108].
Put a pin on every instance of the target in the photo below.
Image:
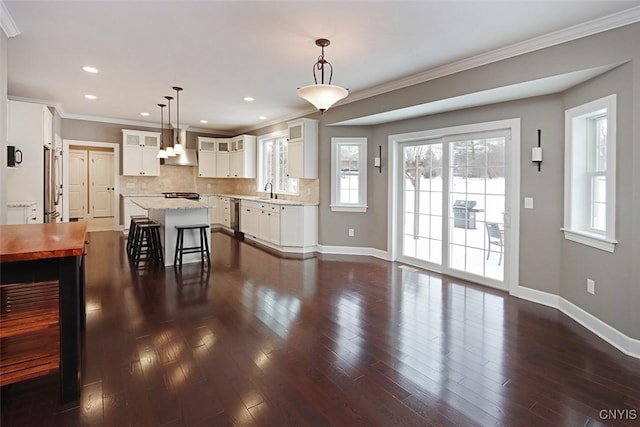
[223, 51]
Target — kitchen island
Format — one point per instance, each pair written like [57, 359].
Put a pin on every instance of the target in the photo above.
[171, 212]
[31, 255]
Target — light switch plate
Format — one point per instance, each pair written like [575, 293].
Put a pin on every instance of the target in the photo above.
[528, 202]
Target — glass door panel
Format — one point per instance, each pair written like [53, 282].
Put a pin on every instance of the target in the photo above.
[422, 205]
[477, 205]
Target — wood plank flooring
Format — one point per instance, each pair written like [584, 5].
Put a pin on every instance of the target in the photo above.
[327, 341]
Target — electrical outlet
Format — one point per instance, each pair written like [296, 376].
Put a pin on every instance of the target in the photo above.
[591, 286]
[208, 185]
[352, 232]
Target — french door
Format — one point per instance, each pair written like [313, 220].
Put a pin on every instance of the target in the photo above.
[454, 204]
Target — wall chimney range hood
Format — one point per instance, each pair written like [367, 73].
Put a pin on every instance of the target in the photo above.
[188, 158]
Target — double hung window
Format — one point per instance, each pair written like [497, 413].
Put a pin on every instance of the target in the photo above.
[349, 174]
[590, 153]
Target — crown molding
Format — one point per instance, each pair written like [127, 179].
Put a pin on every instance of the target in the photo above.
[152, 125]
[292, 116]
[7, 23]
[56, 105]
[578, 31]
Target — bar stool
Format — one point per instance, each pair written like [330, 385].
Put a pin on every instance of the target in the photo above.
[147, 242]
[133, 228]
[203, 248]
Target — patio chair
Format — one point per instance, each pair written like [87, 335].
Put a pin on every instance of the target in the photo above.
[496, 237]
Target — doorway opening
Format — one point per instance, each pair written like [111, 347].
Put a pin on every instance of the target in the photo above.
[90, 181]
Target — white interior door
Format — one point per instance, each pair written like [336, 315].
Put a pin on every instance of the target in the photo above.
[77, 183]
[102, 185]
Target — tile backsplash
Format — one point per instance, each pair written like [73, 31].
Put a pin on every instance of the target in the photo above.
[185, 179]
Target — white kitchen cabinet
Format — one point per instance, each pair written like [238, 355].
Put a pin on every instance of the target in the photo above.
[207, 157]
[274, 228]
[213, 209]
[249, 217]
[139, 153]
[223, 148]
[242, 159]
[289, 228]
[224, 212]
[130, 209]
[299, 225]
[22, 213]
[28, 129]
[302, 149]
[47, 127]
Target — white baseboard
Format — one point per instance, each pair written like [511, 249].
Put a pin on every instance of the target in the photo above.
[354, 250]
[627, 345]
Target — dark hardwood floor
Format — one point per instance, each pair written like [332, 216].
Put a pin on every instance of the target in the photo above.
[333, 340]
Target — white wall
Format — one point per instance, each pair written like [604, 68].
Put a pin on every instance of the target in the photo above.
[25, 182]
[3, 128]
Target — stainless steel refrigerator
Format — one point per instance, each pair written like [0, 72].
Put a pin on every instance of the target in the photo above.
[52, 185]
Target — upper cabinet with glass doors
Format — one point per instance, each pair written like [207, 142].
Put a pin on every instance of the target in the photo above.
[139, 153]
[242, 159]
[207, 157]
[302, 150]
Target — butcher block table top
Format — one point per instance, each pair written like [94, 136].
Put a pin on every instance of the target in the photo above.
[40, 241]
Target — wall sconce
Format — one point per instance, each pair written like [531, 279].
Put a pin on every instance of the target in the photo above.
[377, 161]
[536, 152]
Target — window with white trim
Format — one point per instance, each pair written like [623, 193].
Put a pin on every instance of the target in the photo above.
[272, 164]
[590, 172]
[349, 174]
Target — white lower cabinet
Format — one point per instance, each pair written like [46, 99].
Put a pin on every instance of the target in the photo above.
[290, 228]
[130, 209]
[22, 214]
[224, 212]
[213, 209]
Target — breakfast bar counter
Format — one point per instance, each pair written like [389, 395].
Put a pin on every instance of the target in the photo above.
[176, 211]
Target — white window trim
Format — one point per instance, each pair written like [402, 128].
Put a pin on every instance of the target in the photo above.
[260, 167]
[362, 175]
[605, 241]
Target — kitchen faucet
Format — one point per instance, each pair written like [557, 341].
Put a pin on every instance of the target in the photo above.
[268, 184]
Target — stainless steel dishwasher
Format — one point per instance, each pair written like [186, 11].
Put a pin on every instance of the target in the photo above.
[235, 217]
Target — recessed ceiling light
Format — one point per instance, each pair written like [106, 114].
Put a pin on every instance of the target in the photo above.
[262, 118]
[89, 96]
[144, 113]
[204, 121]
[90, 69]
[248, 99]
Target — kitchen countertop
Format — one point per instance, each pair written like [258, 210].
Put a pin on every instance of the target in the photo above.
[21, 203]
[164, 204]
[262, 199]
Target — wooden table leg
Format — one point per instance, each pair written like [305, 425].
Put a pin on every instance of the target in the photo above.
[69, 270]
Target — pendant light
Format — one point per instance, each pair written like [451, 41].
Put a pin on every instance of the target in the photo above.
[322, 95]
[178, 148]
[170, 151]
[162, 154]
